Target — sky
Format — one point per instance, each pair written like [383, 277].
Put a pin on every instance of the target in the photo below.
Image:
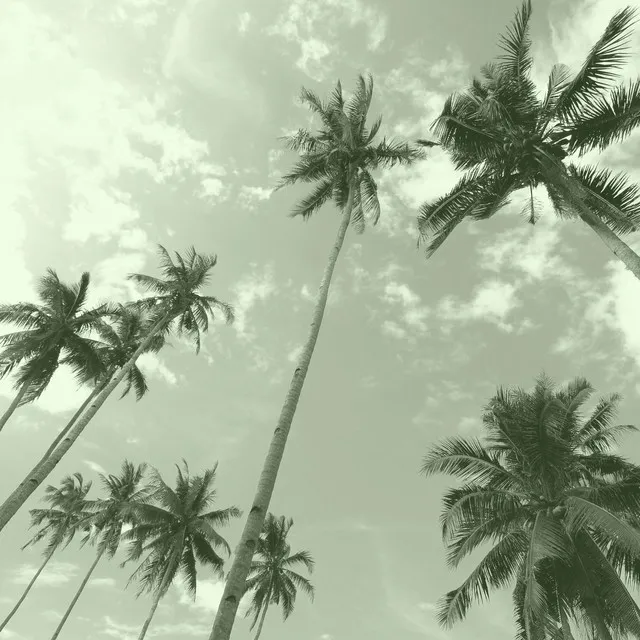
[136, 122]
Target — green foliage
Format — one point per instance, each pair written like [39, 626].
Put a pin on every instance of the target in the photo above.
[340, 157]
[558, 508]
[271, 578]
[507, 138]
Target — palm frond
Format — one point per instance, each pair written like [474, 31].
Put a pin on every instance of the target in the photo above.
[516, 44]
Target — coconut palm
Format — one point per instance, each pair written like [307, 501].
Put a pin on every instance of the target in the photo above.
[271, 578]
[507, 138]
[118, 343]
[175, 530]
[176, 304]
[557, 506]
[109, 516]
[58, 523]
[54, 332]
[339, 160]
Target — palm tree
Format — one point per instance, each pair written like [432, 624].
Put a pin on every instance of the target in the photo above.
[339, 159]
[175, 532]
[54, 333]
[118, 343]
[558, 507]
[176, 303]
[270, 578]
[506, 138]
[62, 519]
[108, 520]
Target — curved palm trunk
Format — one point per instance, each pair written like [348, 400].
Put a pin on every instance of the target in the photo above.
[83, 584]
[72, 421]
[14, 404]
[42, 470]
[26, 591]
[618, 247]
[234, 585]
[147, 622]
[263, 616]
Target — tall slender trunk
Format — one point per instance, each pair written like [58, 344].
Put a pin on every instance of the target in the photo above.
[26, 591]
[14, 405]
[83, 584]
[162, 590]
[618, 247]
[42, 470]
[237, 575]
[264, 614]
[72, 421]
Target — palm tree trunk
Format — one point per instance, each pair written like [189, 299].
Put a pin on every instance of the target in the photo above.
[237, 575]
[76, 415]
[26, 591]
[83, 584]
[619, 248]
[262, 617]
[42, 470]
[147, 622]
[14, 405]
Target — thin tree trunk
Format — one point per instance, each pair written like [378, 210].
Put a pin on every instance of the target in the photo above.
[264, 614]
[83, 584]
[162, 589]
[42, 470]
[26, 591]
[618, 247]
[14, 405]
[237, 575]
[72, 421]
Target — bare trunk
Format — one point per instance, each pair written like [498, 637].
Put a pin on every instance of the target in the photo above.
[14, 405]
[42, 470]
[618, 247]
[72, 421]
[263, 616]
[83, 584]
[237, 575]
[26, 591]
[147, 622]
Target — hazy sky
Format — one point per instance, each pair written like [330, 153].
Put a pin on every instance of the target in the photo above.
[128, 123]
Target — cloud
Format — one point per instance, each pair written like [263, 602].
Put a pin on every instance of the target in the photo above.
[250, 197]
[54, 574]
[152, 365]
[407, 304]
[294, 354]
[335, 293]
[94, 466]
[254, 287]
[243, 21]
[208, 595]
[470, 426]
[493, 302]
[312, 28]
[102, 582]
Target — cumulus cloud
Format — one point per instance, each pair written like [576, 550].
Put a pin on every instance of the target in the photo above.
[254, 287]
[54, 574]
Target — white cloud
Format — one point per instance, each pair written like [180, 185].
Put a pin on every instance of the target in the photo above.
[102, 582]
[335, 293]
[393, 329]
[294, 354]
[493, 301]
[54, 574]
[94, 466]
[243, 21]
[411, 310]
[250, 197]
[470, 426]
[208, 595]
[252, 288]
[153, 366]
[312, 28]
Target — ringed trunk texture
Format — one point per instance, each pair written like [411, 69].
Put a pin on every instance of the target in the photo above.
[26, 591]
[14, 405]
[83, 584]
[618, 247]
[234, 585]
[42, 470]
[72, 421]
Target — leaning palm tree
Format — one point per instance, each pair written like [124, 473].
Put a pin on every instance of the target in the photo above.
[118, 343]
[558, 508]
[54, 332]
[109, 516]
[177, 304]
[175, 529]
[61, 522]
[507, 138]
[271, 578]
[339, 159]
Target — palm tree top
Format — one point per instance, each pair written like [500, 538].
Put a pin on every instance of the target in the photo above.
[507, 137]
[177, 296]
[176, 528]
[542, 486]
[343, 153]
